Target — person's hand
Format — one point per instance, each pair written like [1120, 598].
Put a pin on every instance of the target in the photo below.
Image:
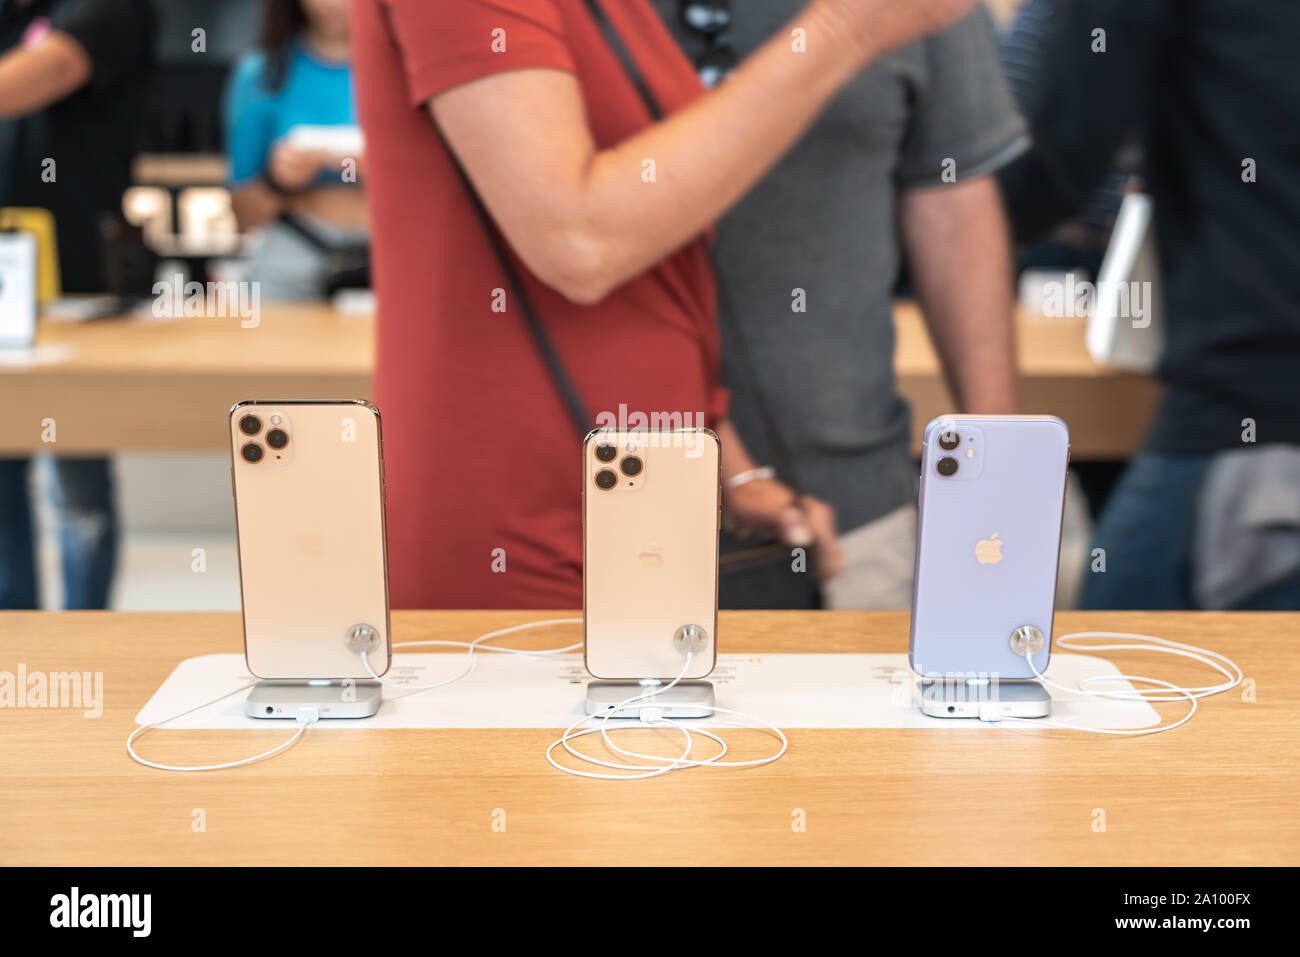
[771, 507]
[883, 25]
[293, 168]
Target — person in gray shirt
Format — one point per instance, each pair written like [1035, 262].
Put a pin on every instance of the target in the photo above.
[898, 166]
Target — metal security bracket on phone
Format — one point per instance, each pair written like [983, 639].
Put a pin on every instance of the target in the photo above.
[986, 699]
[990, 699]
[342, 698]
[686, 699]
[345, 698]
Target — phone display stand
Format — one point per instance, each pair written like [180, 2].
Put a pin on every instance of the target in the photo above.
[347, 698]
[686, 699]
[985, 699]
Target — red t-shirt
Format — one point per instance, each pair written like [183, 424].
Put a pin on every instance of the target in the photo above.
[483, 462]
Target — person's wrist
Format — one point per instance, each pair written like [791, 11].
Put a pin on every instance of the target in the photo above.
[746, 476]
[841, 23]
[276, 186]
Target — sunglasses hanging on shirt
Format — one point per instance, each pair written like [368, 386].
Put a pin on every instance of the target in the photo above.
[711, 19]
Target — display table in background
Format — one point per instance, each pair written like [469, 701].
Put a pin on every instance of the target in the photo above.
[136, 384]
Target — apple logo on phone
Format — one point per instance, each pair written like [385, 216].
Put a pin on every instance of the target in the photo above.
[988, 551]
[651, 556]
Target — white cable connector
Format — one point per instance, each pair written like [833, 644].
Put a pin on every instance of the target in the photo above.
[654, 717]
[1157, 693]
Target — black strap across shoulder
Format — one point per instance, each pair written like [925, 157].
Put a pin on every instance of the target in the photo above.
[573, 403]
[783, 461]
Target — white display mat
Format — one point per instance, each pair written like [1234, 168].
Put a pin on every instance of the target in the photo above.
[515, 691]
[42, 355]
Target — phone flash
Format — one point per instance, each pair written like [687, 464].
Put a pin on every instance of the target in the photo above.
[275, 420]
[970, 453]
[631, 446]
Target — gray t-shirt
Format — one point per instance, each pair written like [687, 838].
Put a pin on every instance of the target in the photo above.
[824, 221]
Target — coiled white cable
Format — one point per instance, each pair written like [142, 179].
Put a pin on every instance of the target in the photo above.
[673, 764]
[654, 718]
[306, 717]
[1157, 693]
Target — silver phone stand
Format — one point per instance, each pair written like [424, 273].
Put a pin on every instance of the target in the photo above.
[686, 699]
[347, 698]
[989, 700]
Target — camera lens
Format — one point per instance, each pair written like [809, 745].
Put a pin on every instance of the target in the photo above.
[949, 440]
[631, 465]
[947, 465]
[277, 438]
[250, 425]
[252, 452]
[606, 452]
[606, 479]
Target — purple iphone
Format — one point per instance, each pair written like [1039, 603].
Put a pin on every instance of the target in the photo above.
[988, 544]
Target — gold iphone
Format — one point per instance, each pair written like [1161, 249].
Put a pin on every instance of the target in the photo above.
[308, 481]
[651, 511]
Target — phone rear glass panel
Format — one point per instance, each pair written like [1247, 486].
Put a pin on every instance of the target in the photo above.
[310, 521]
[650, 550]
[988, 542]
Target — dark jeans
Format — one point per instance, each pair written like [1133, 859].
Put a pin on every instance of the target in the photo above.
[1147, 528]
[83, 503]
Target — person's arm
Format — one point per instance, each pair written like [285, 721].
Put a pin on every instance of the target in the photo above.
[959, 257]
[255, 204]
[251, 152]
[1085, 103]
[292, 169]
[89, 44]
[584, 220]
[34, 77]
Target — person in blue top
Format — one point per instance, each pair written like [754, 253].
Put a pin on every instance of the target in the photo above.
[293, 146]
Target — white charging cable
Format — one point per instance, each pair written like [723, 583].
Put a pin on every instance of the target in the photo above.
[653, 717]
[306, 717]
[473, 646]
[1162, 690]
[649, 716]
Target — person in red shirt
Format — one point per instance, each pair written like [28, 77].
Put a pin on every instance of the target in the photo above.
[602, 209]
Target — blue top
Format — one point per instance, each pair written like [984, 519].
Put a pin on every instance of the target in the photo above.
[315, 92]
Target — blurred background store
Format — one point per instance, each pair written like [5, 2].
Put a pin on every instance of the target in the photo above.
[176, 542]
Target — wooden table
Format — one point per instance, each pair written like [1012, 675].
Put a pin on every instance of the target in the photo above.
[1219, 790]
[137, 383]
[145, 384]
[1108, 411]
